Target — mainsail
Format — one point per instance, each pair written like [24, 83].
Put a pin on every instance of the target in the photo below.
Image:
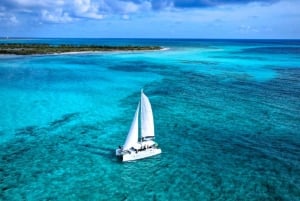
[133, 134]
[147, 124]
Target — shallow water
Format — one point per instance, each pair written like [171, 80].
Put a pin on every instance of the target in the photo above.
[226, 116]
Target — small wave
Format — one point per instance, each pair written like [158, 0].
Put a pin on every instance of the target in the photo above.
[165, 49]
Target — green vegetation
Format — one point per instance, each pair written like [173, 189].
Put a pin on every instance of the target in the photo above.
[30, 49]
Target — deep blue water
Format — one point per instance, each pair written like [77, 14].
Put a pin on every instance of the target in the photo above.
[226, 117]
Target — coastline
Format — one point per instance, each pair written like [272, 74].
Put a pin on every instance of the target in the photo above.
[112, 51]
[82, 52]
[47, 49]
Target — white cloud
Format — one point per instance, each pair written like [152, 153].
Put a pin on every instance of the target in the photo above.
[37, 3]
[130, 7]
[60, 11]
[246, 29]
[251, 18]
[7, 18]
[57, 16]
[87, 9]
[13, 19]
[125, 17]
[120, 7]
[63, 11]
[82, 5]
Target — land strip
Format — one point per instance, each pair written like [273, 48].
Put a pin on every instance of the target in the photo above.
[31, 49]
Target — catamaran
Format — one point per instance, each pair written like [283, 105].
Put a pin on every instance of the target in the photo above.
[136, 147]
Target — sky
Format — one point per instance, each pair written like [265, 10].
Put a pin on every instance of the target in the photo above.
[247, 19]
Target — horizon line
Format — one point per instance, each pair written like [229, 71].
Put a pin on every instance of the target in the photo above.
[158, 38]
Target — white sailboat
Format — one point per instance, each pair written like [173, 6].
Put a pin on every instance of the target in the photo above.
[135, 148]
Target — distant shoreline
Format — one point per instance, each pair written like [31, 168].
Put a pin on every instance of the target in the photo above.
[35, 49]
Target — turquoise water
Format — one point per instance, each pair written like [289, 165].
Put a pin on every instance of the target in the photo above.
[226, 115]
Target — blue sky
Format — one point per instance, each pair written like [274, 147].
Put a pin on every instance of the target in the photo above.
[151, 18]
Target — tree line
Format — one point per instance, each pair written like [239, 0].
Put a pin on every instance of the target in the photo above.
[29, 49]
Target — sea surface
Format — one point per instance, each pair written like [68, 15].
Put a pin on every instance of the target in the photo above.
[226, 112]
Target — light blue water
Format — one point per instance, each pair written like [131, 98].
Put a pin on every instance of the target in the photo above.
[226, 116]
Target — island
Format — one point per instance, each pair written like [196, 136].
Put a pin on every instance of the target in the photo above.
[31, 49]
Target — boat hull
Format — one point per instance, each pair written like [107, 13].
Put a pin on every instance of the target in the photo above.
[132, 155]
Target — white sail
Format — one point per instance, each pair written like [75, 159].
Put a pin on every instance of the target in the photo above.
[133, 149]
[147, 124]
[133, 134]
